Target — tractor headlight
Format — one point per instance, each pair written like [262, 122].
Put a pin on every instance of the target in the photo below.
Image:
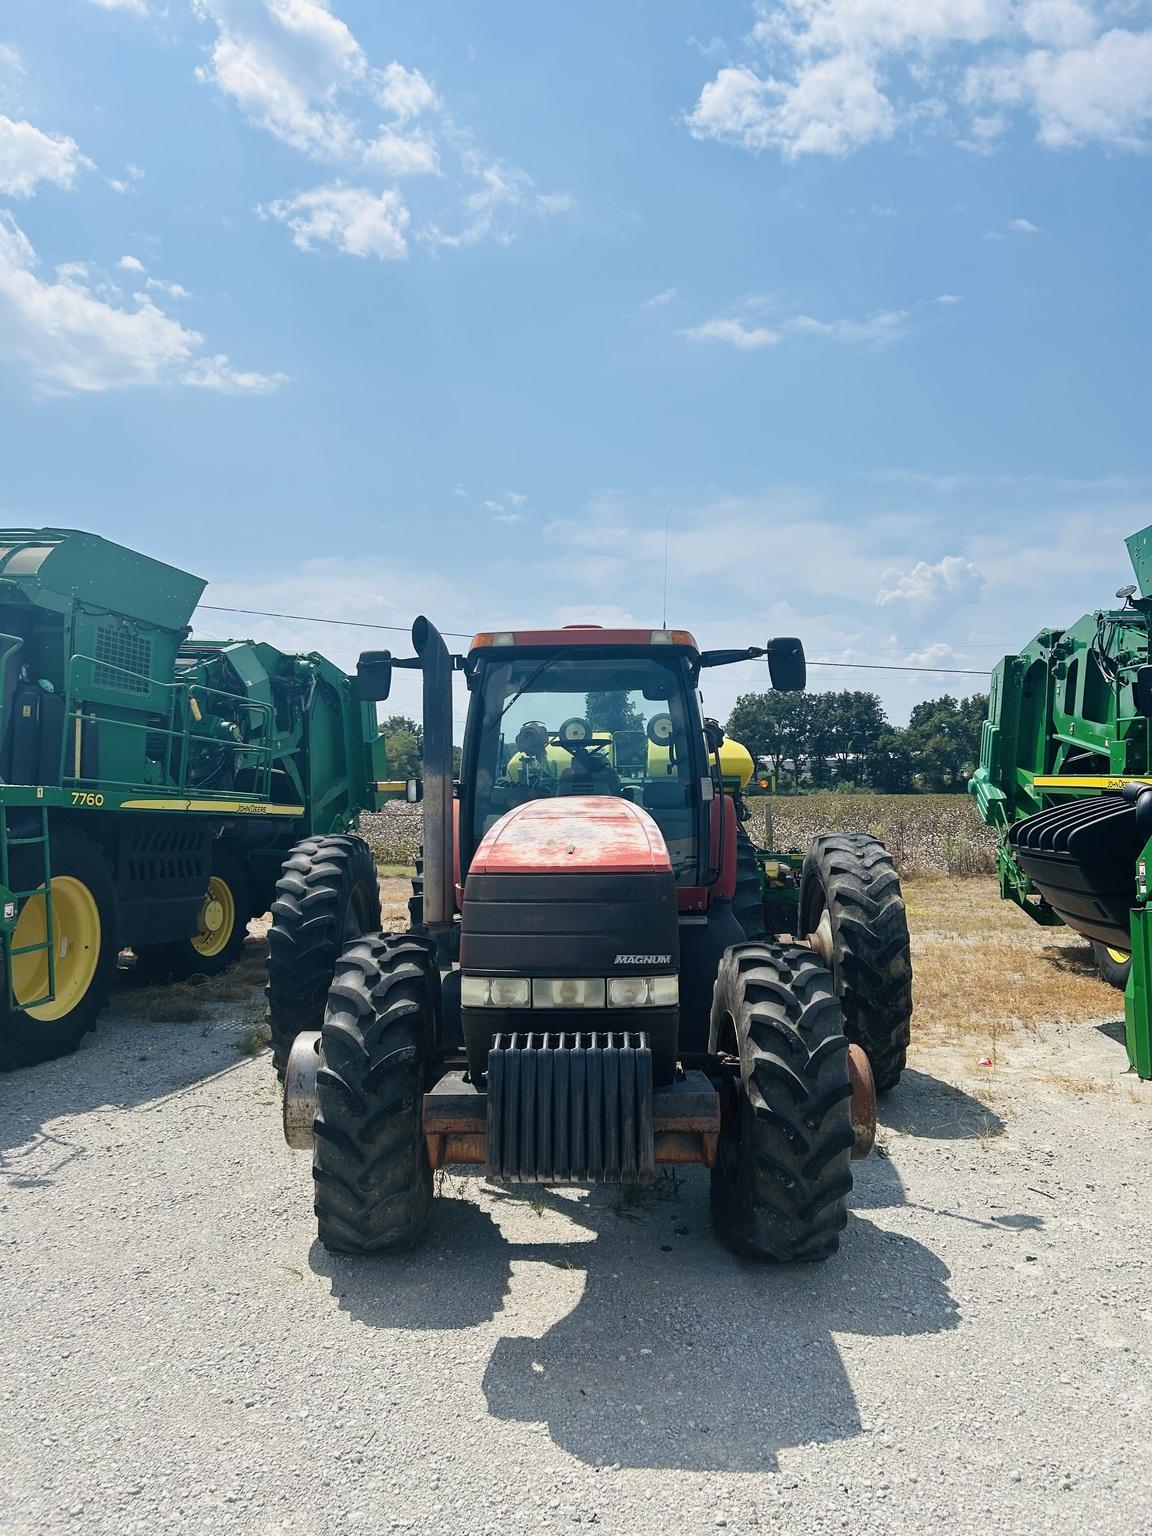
[643, 991]
[568, 992]
[495, 992]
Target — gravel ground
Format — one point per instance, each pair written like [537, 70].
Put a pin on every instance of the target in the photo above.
[180, 1355]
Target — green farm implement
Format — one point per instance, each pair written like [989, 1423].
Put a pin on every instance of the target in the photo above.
[151, 786]
[1066, 776]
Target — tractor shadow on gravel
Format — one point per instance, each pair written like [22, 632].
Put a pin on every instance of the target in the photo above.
[927, 1106]
[670, 1352]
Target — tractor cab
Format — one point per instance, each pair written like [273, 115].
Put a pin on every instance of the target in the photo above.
[589, 713]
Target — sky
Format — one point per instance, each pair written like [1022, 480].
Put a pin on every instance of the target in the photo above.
[814, 317]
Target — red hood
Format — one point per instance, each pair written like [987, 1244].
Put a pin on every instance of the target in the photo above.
[573, 833]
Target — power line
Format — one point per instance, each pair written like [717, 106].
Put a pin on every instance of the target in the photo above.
[312, 618]
[865, 666]
[457, 634]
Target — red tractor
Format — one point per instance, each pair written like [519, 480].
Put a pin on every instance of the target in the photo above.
[576, 1001]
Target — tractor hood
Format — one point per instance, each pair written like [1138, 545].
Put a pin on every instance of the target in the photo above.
[574, 834]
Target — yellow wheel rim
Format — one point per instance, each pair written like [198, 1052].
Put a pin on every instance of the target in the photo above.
[217, 919]
[76, 939]
[1119, 956]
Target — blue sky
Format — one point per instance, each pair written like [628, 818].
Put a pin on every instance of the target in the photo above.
[365, 310]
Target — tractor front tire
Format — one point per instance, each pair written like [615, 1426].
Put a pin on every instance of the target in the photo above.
[373, 1181]
[747, 900]
[850, 884]
[84, 939]
[221, 928]
[782, 1176]
[1112, 965]
[326, 896]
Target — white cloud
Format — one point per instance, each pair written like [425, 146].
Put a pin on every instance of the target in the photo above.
[1099, 93]
[508, 517]
[69, 338]
[353, 219]
[296, 71]
[397, 154]
[173, 290]
[880, 328]
[130, 264]
[830, 107]
[138, 6]
[515, 498]
[948, 298]
[405, 92]
[735, 333]
[285, 64]
[501, 190]
[949, 581]
[1024, 227]
[29, 156]
[830, 76]
[659, 300]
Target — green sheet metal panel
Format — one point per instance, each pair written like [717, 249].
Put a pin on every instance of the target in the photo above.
[55, 566]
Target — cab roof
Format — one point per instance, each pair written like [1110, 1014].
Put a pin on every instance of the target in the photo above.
[573, 635]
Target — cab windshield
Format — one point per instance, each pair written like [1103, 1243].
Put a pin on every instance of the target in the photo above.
[565, 724]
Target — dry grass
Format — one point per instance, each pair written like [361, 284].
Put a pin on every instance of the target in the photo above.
[983, 970]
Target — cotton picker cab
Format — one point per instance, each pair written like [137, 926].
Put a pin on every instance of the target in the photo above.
[575, 1001]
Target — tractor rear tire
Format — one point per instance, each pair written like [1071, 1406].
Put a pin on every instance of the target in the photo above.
[373, 1181]
[851, 877]
[747, 900]
[326, 896]
[782, 1176]
[222, 927]
[84, 922]
[1112, 966]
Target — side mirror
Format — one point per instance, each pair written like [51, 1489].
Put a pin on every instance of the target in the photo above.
[786, 665]
[373, 681]
[1143, 692]
[713, 735]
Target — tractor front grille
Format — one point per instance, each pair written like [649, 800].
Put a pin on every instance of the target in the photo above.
[570, 1108]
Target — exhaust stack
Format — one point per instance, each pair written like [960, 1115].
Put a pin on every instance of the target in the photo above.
[439, 875]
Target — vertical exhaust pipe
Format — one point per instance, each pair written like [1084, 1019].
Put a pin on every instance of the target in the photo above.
[439, 874]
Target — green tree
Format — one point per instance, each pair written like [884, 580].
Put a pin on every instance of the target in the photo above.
[853, 721]
[775, 727]
[944, 735]
[889, 764]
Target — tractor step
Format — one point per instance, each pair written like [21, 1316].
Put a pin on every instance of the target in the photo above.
[568, 1109]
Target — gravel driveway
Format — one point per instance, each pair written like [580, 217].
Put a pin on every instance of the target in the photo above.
[180, 1355]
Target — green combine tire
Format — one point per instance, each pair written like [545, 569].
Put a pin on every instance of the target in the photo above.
[221, 928]
[747, 901]
[850, 899]
[782, 1176]
[373, 1181]
[1112, 965]
[326, 896]
[84, 940]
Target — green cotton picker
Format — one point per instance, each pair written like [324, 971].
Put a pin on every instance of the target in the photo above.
[152, 787]
[1065, 775]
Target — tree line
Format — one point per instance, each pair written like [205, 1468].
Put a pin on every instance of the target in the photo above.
[844, 739]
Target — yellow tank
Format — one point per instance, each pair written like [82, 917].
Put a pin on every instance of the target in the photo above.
[736, 765]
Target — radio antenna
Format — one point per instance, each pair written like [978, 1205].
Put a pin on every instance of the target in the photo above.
[664, 614]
